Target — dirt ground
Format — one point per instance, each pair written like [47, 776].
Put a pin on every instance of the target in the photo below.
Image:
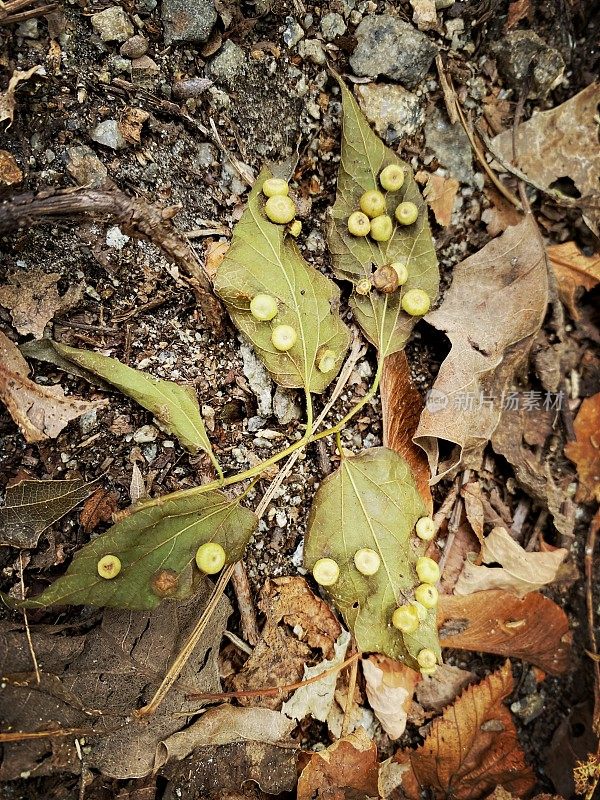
[265, 103]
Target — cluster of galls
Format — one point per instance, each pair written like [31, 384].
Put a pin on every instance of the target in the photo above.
[280, 208]
[373, 221]
[407, 617]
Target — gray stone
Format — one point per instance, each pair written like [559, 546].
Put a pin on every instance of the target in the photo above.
[113, 25]
[144, 71]
[84, 166]
[522, 56]
[227, 66]
[312, 50]
[145, 434]
[388, 46]
[255, 424]
[108, 134]
[293, 32]
[395, 112]
[28, 29]
[190, 87]
[451, 146]
[332, 26]
[187, 21]
[136, 47]
[258, 379]
[285, 405]
[206, 154]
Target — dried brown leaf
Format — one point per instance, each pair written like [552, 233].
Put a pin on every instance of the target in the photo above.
[501, 214]
[121, 665]
[10, 171]
[440, 194]
[41, 412]
[519, 571]
[532, 469]
[225, 724]
[131, 122]
[574, 271]
[436, 691]
[390, 686]
[491, 313]
[7, 98]
[297, 623]
[471, 749]
[561, 145]
[98, 508]
[532, 628]
[471, 494]
[214, 255]
[346, 769]
[402, 404]
[585, 451]
[33, 299]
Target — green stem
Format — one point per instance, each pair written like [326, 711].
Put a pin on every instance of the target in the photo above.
[240, 476]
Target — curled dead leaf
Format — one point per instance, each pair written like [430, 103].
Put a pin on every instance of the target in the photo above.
[390, 686]
[532, 628]
[491, 317]
[33, 299]
[401, 405]
[440, 194]
[574, 271]
[519, 571]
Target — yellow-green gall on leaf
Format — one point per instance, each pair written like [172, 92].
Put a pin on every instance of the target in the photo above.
[406, 619]
[425, 529]
[427, 595]
[427, 570]
[358, 224]
[401, 271]
[372, 203]
[326, 361]
[406, 213]
[391, 178]
[275, 187]
[295, 228]
[416, 302]
[367, 561]
[382, 228]
[427, 659]
[109, 567]
[363, 286]
[210, 558]
[420, 609]
[283, 337]
[280, 209]
[326, 571]
[263, 307]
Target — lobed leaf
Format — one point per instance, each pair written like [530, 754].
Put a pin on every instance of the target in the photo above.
[363, 157]
[262, 259]
[372, 501]
[174, 405]
[156, 546]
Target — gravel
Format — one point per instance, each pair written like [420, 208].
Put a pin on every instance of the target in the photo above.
[113, 25]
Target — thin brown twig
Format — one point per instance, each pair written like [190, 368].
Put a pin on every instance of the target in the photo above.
[241, 587]
[588, 561]
[24, 736]
[270, 691]
[350, 697]
[451, 99]
[36, 667]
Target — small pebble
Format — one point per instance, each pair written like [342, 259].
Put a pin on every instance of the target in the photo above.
[136, 47]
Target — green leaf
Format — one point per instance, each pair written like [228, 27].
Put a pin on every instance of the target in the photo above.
[262, 260]
[363, 157]
[32, 506]
[156, 546]
[174, 405]
[372, 501]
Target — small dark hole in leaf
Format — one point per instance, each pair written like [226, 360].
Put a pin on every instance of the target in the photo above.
[578, 729]
[566, 186]
[355, 604]
[302, 292]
